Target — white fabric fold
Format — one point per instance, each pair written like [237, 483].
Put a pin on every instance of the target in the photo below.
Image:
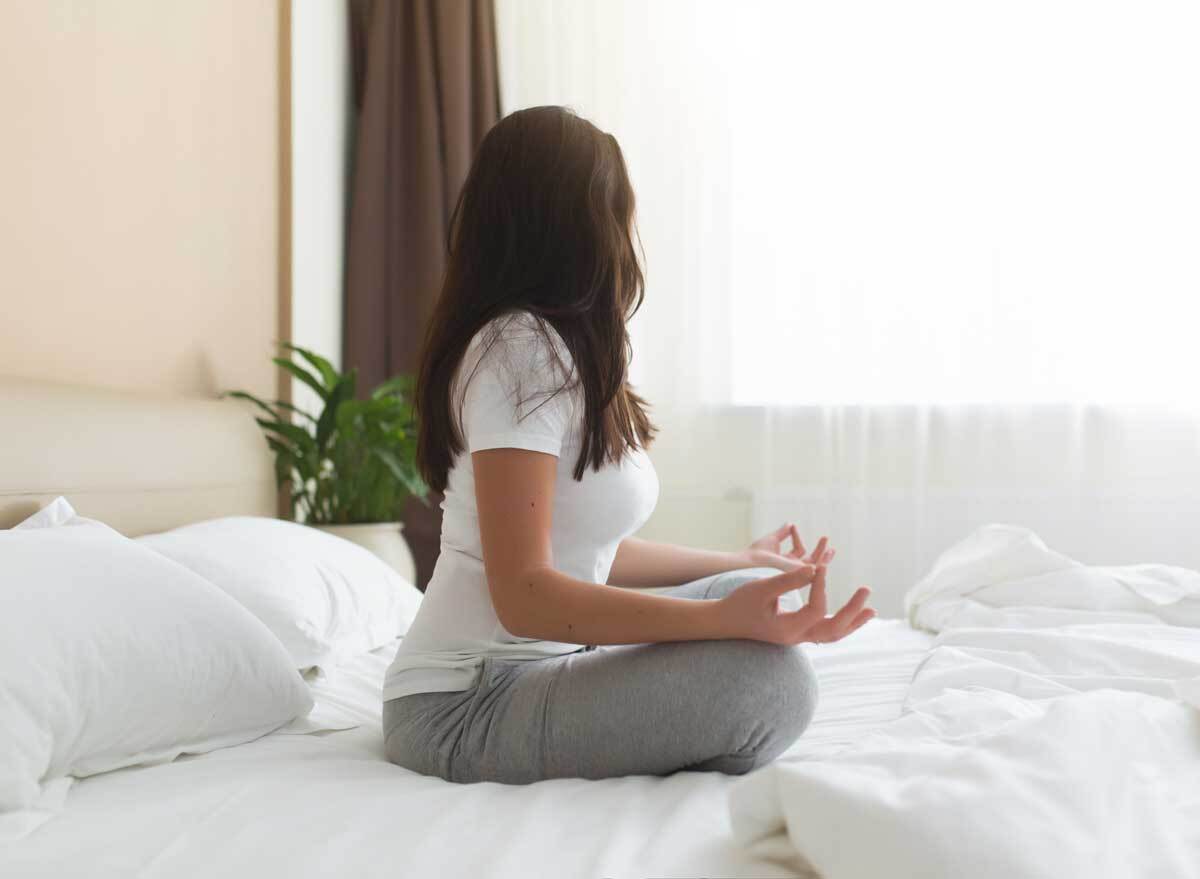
[1051, 730]
[1006, 574]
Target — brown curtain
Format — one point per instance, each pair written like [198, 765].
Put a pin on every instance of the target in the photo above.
[426, 91]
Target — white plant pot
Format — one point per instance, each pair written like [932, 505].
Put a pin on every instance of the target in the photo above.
[385, 539]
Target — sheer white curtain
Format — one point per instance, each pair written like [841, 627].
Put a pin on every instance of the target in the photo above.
[910, 267]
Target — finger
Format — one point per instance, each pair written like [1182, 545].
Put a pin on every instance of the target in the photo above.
[819, 550]
[783, 562]
[816, 595]
[797, 543]
[864, 616]
[829, 554]
[797, 578]
[850, 610]
[859, 620]
[781, 533]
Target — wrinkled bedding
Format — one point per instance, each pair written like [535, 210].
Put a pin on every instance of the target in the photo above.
[1050, 730]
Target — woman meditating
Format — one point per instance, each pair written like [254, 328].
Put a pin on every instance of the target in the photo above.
[534, 654]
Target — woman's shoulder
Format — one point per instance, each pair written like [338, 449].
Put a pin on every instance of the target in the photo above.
[519, 324]
[521, 353]
[523, 340]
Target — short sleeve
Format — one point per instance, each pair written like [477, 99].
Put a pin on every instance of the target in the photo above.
[519, 390]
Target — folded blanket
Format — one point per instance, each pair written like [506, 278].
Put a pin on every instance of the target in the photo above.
[1051, 731]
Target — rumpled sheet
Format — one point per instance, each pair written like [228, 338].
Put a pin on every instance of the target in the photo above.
[1050, 731]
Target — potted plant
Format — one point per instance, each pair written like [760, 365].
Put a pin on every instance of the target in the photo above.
[350, 469]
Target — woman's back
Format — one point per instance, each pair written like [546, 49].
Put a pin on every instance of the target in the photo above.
[519, 393]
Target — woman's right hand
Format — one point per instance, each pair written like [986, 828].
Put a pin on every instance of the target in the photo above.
[752, 610]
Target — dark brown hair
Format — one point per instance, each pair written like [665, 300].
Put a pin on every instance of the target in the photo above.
[544, 224]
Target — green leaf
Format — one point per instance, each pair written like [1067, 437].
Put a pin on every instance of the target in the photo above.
[329, 375]
[282, 450]
[266, 407]
[297, 435]
[405, 475]
[381, 503]
[348, 412]
[283, 461]
[327, 421]
[351, 378]
[295, 410]
[416, 486]
[401, 385]
[242, 395]
[304, 375]
[389, 460]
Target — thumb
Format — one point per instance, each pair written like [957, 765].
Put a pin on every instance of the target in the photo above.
[781, 532]
[797, 578]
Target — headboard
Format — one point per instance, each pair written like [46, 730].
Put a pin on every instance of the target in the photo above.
[138, 462]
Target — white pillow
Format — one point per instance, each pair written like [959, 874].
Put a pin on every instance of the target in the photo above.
[325, 598]
[111, 656]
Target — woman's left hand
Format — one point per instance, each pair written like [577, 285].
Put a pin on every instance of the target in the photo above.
[769, 552]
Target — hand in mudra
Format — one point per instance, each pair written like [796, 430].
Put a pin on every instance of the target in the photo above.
[769, 551]
[752, 610]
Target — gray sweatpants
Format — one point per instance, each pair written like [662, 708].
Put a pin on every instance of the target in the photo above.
[630, 709]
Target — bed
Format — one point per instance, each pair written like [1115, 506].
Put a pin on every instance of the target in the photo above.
[1032, 716]
[329, 803]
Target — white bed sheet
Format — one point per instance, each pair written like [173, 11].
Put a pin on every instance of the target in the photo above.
[1050, 732]
[330, 804]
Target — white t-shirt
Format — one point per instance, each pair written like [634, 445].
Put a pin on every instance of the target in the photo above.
[508, 404]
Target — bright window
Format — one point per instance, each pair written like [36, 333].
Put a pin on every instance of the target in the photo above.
[866, 201]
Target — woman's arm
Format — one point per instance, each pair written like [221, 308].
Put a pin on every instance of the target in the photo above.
[514, 491]
[641, 563]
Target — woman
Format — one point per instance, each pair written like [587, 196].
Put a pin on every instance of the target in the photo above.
[528, 659]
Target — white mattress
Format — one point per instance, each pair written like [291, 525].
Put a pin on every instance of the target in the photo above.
[329, 804]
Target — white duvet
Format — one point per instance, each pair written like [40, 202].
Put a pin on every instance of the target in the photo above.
[1052, 730]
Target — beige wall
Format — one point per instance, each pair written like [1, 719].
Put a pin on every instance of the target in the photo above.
[140, 208]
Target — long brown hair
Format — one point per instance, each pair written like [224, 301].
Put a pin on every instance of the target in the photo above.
[543, 224]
